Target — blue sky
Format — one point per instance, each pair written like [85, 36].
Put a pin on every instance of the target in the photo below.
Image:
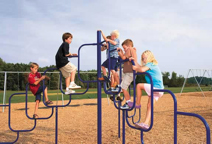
[177, 32]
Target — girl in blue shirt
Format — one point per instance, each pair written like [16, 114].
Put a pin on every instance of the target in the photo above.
[149, 65]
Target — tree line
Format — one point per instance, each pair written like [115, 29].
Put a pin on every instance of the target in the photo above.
[18, 81]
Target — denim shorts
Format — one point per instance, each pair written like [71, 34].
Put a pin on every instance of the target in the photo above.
[38, 93]
[113, 62]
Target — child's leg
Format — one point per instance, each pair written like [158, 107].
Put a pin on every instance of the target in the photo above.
[126, 94]
[104, 71]
[116, 77]
[148, 112]
[67, 82]
[139, 89]
[112, 80]
[45, 94]
[73, 73]
[36, 106]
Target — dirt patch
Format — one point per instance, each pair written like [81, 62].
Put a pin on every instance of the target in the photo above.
[78, 122]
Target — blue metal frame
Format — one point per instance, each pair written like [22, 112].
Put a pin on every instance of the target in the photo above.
[125, 115]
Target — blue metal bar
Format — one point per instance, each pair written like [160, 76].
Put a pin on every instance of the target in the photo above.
[175, 111]
[13, 141]
[26, 106]
[208, 136]
[99, 47]
[123, 126]
[99, 93]
[56, 125]
[3, 105]
[119, 126]
[9, 119]
[142, 133]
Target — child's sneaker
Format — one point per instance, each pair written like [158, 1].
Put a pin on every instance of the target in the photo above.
[74, 86]
[116, 89]
[119, 98]
[111, 97]
[69, 91]
[125, 106]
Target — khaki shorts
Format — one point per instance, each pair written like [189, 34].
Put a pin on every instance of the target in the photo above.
[67, 69]
[127, 78]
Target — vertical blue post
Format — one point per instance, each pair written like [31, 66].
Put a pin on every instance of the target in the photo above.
[56, 125]
[142, 133]
[123, 127]
[119, 103]
[99, 90]
[175, 120]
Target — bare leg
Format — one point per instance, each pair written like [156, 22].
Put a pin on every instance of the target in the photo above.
[73, 76]
[126, 94]
[116, 77]
[45, 94]
[36, 106]
[112, 80]
[67, 81]
[148, 112]
[139, 89]
[104, 71]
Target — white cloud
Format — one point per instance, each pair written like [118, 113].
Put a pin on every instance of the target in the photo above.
[178, 32]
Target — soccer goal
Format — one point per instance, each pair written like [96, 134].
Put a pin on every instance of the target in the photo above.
[198, 73]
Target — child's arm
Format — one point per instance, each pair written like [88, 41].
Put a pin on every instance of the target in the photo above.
[104, 47]
[108, 40]
[70, 54]
[121, 54]
[139, 68]
[40, 79]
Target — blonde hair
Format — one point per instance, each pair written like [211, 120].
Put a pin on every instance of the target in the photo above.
[150, 58]
[32, 65]
[115, 32]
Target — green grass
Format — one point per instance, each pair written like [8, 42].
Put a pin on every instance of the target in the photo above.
[89, 95]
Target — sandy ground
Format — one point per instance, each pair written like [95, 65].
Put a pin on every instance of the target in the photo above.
[78, 122]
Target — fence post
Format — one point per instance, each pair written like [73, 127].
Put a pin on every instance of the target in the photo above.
[5, 88]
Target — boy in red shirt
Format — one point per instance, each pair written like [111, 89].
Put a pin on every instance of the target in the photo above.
[34, 80]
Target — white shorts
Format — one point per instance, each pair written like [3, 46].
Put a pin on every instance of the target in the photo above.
[127, 78]
[67, 69]
[157, 95]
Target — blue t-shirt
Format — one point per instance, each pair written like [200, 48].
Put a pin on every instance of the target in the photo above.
[112, 47]
[156, 74]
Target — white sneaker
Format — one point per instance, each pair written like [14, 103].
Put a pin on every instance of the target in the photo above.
[69, 91]
[74, 86]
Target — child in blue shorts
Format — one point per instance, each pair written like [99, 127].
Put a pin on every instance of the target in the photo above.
[114, 44]
[34, 80]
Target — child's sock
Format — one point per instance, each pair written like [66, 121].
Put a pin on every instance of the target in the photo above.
[67, 89]
[72, 82]
[128, 101]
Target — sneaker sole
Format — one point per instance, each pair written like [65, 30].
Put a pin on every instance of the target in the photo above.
[74, 87]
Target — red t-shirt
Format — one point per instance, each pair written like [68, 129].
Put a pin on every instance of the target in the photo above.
[32, 79]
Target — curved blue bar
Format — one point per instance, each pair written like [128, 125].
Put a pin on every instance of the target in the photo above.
[26, 106]
[208, 136]
[9, 118]
[13, 141]
[79, 63]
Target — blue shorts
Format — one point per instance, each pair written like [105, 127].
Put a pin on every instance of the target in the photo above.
[38, 93]
[113, 62]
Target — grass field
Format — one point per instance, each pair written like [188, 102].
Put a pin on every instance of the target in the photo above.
[92, 93]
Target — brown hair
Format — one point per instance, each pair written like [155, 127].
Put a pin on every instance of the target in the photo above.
[32, 65]
[128, 42]
[66, 36]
